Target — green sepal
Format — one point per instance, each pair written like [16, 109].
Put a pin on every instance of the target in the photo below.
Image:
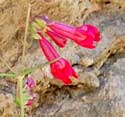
[35, 25]
[35, 36]
[40, 22]
[32, 28]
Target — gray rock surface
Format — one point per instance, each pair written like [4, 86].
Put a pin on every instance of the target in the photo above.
[107, 101]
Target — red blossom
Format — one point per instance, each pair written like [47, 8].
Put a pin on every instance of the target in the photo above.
[57, 38]
[31, 100]
[91, 30]
[60, 69]
[48, 50]
[64, 30]
[85, 36]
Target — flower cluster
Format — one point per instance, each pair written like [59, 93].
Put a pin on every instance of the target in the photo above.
[29, 85]
[86, 36]
[25, 95]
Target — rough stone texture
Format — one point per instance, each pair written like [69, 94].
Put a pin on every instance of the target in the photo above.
[107, 100]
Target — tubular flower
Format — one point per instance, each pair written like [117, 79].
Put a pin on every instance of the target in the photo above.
[85, 36]
[91, 30]
[60, 69]
[48, 50]
[64, 30]
[58, 39]
[92, 36]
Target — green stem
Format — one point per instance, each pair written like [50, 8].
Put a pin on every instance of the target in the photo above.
[30, 70]
[20, 80]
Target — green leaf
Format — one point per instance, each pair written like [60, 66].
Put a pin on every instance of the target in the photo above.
[13, 75]
[18, 102]
[27, 71]
[25, 98]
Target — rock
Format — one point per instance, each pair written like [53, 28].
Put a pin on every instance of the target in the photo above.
[86, 62]
[107, 101]
[89, 79]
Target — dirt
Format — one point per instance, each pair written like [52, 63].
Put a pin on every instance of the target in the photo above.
[99, 92]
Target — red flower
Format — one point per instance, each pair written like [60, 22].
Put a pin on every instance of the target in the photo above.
[91, 30]
[92, 36]
[85, 35]
[31, 100]
[48, 50]
[64, 30]
[58, 39]
[60, 69]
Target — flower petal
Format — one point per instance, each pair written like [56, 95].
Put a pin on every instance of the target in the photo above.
[48, 49]
[62, 70]
[58, 39]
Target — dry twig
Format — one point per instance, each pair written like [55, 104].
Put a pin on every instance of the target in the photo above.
[26, 31]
